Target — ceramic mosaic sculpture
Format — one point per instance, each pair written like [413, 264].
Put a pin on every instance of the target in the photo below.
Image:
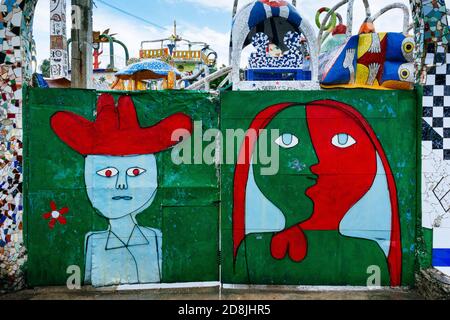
[370, 59]
[291, 27]
[373, 60]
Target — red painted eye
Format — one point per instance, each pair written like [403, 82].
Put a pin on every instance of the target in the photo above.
[134, 172]
[108, 172]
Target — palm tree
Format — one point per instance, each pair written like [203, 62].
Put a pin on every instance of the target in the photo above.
[45, 68]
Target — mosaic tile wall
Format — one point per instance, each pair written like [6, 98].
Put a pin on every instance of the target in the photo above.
[15, 68]
[436, 22]
[431, 29]
[419, 31]
[436, 132]
[436, 155]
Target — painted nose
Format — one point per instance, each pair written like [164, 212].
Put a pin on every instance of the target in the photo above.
[121, 183]
[315, 169]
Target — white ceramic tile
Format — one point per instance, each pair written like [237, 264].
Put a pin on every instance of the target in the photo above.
[441, 238]
[444, 270]
[428, 101]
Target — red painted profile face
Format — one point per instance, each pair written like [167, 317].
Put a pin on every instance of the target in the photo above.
[346, 148]
[347, 163]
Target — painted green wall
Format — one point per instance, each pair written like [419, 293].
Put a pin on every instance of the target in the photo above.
[187, 205]
[185, 208]
[332, 259]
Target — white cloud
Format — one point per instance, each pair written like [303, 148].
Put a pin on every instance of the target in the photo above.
[391, 21]
[218, 41]
[129, 32]
[41, 30]
[132, 33]
[308, 9]
[214, 4]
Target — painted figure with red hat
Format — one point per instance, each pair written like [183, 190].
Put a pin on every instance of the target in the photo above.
[121, 177]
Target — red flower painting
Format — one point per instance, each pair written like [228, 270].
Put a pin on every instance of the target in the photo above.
[56, 215]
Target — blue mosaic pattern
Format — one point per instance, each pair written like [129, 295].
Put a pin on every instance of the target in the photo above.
[258, 59]
[292, 59]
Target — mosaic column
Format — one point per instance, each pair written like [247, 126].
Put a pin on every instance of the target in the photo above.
[436, 22]
[419, 30]
[436, 132]
[59, 66]
[16, 17]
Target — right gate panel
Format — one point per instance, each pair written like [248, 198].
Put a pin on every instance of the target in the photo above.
[321, 189]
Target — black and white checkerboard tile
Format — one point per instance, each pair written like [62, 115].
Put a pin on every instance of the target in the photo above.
[436, 102]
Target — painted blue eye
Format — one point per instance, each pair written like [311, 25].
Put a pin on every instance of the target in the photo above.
[343, 141]
[287, 141]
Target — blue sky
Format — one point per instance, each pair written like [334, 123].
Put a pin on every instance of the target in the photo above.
[197, 20]
[163, 12]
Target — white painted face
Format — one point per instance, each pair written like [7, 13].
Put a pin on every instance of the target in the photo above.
[119, 186]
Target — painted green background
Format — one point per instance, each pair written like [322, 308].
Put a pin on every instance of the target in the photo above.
[185, 208]
[332, 259]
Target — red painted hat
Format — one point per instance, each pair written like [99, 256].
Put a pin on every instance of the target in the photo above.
[116, 131]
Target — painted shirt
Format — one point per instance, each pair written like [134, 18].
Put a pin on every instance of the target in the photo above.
[110, 260]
